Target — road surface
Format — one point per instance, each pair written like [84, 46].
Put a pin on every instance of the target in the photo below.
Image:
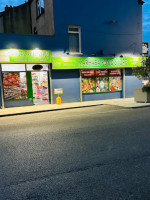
[95, 153]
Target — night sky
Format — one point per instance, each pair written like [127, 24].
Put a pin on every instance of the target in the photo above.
[146, 15]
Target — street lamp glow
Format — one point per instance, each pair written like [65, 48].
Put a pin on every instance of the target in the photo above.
[13, 52]
[36, 52]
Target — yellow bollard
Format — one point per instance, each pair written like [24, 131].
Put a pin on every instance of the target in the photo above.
[58, 100]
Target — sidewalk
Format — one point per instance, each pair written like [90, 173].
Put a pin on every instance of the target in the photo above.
[126, 103]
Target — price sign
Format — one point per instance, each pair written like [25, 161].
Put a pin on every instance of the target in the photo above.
[58, 91]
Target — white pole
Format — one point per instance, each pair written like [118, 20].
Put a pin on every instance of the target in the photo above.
[1, 85]
[124, 87]
[50, 79]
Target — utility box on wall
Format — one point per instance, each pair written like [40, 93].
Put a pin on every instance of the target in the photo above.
[141, 96]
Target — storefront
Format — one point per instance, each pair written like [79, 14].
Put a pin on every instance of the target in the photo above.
[25, 77]
[100, 78]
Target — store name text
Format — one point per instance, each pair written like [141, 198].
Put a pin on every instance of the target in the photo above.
[96, 62]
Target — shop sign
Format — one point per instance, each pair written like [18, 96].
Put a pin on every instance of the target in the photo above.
[87, 73]
[115, 72]
[58, 91]
[95, 62]
[102, 72]
[25, 56]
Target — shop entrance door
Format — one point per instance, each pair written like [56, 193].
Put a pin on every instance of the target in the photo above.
[40, 87]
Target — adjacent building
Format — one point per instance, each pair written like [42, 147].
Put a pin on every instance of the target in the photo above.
[90, 52]
[32, 17]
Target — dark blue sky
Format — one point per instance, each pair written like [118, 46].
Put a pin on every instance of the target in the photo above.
[146, 21]
[146, 15]
[3, 3]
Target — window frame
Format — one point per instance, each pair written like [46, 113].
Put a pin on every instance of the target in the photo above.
[75, 32]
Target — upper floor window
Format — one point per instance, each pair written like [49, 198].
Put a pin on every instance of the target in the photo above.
[74, 39]
[39, 7]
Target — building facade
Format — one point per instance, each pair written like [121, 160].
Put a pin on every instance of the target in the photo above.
[94, 45]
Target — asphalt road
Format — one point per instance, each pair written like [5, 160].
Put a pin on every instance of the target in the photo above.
[96, 153]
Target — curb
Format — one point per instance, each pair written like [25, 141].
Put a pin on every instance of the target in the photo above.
[69, 108]
[140, 107]
[128, 107]
[49, 110]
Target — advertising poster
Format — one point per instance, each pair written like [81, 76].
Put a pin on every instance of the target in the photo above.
[115, 83]
[102, 84]
[101, 72]
[14, 85]
[87, 73]
[88, 85]
[115, 72]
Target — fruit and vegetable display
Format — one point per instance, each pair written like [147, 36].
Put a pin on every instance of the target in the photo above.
[14, 85]
[101, 84]
[115, 83]
[88, 85]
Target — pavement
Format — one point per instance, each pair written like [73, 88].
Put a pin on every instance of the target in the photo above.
[125, 103]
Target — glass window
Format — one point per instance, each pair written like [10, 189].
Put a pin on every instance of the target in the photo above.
[13, 67]
[115, 83]
[88, 85]
[101, 84]
[74, 39]
[40, 87]
[40, 7]
[73, 29]
[15, 86]
[73, 42]
[101, 80]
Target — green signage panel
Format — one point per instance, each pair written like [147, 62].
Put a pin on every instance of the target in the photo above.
[95, 62]
[25, 56]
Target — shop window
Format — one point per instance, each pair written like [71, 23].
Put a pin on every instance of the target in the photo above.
[40, 87]
[101, 84]
[115, 83]
[74, 39]
[39, 7]
[88, 85]
[101, 81]
[115, 80]
[15, 85]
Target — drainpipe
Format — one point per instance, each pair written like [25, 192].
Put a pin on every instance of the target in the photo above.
[80, 87]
